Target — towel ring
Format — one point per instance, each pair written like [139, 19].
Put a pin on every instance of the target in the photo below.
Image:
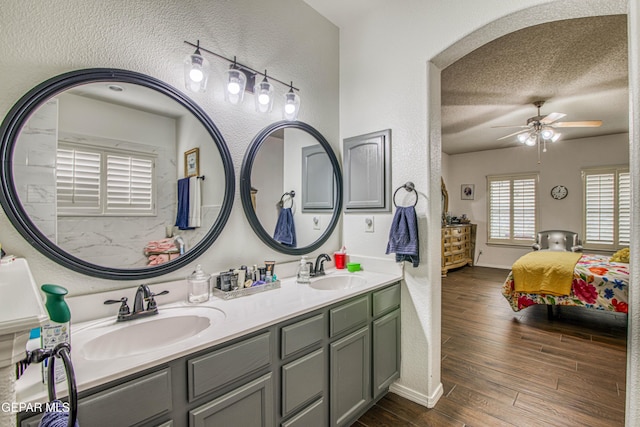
[409, 186]
[291, 195]
[62, 351]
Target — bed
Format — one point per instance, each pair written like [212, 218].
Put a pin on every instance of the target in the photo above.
[597, 283]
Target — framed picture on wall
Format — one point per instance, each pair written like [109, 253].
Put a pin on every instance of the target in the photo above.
[467, 191]
[192, 162]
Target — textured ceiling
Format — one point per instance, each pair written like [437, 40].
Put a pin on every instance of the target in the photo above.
[578, 66]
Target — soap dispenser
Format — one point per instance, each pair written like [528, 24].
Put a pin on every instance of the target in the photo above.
[198, 282]
[304, 274]
[56, 330]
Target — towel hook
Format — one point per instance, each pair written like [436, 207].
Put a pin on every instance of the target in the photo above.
[291, 195]
[409, 186]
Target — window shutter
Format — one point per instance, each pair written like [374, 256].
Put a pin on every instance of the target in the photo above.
[624, 209]
[524, 209]
[129, 183]
[607, 208]
[78, 179]
[512, 209]
[499, 209]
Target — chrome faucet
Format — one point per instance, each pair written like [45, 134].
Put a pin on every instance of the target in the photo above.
[318, 270]
[143, 293]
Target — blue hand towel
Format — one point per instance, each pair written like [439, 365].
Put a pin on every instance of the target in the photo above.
[56, 416]
[403, 236]
[182, 219]
[285, 231]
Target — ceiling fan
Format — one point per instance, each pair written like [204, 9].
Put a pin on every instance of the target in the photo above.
[543, 127]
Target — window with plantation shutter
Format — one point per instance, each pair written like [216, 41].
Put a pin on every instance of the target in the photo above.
[95, 181]
[607, 208]
[512, 205]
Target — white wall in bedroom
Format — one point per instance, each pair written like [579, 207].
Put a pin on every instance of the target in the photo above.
[561, 164]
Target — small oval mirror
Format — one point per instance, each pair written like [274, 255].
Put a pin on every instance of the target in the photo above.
[291, 187]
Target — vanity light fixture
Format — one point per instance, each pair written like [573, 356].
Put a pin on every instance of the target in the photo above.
[196, 71]
[263, 92]
[237, 79]
[240, 79]
[291, 105]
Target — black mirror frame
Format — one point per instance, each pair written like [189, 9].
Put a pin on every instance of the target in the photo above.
[245, 187]
[20, 113]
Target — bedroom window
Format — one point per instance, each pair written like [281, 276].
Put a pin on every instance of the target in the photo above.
[512, 209]
[92, 181]
[607, 208]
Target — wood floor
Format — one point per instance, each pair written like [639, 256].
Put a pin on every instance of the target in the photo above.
[505, 368]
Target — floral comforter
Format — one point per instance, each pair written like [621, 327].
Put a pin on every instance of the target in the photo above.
[597, 283]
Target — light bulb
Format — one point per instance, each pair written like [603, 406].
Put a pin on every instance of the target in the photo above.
[522, 137]
[289, 108]
[531, 141]
[263, 99]
[196, 75]
[236, 82]
[233, 88]
[547, 133]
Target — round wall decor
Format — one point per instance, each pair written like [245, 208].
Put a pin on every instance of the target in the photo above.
[559, 192]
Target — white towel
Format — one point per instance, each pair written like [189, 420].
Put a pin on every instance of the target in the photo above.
[195, 202]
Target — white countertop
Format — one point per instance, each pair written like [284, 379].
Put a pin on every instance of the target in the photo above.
[241, 316]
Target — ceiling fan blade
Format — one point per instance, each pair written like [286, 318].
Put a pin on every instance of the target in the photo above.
[581, 124]
[513, 134]
[550, 118]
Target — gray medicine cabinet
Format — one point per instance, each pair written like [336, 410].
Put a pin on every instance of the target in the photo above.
[367, 172]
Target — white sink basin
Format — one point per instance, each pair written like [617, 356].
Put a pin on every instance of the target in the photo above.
[111, 340]
[337, 282]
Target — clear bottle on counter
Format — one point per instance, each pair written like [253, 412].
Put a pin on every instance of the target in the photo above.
[304, 274]
[198, 283]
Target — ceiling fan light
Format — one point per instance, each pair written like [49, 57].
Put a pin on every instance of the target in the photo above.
[522, 137]
[547, 133]
[531, 141]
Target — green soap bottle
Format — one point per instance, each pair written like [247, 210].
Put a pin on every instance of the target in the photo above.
[56, 330]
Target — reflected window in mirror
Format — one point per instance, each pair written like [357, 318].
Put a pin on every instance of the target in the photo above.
[274, 165]
[93, 172]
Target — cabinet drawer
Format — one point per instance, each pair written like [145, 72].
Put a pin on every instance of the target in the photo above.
[313, 416]
[302, 381]
[348, 316]
[301, 335]
[386, 299]
[129, 403]
[126, 404]
[221, 367]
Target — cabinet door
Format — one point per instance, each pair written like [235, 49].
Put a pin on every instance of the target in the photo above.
[350, 376]
[250, 405]
[386, 351]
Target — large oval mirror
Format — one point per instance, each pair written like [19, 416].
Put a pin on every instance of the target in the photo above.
[96, 167]
[291, 187]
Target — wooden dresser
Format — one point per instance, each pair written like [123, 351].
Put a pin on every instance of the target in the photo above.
[458, 246]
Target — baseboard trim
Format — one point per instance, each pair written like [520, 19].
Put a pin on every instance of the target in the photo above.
[417, 397]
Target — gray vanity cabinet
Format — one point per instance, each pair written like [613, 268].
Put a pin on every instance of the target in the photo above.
[325, 367]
